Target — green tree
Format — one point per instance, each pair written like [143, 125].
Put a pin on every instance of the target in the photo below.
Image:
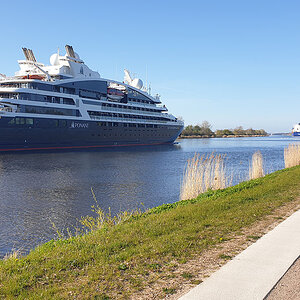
[250, 131]
[206, 128]
[223, 132]
[188, 130]
[239, 130]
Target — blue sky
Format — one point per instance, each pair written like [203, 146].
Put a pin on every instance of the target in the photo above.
[229, 62]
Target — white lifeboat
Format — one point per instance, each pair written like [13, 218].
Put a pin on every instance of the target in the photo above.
[114, 94]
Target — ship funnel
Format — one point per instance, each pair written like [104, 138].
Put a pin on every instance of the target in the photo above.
[70, 51]
[26, 53]
[29, 54]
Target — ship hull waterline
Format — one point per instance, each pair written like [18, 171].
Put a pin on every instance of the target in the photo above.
[50, 134]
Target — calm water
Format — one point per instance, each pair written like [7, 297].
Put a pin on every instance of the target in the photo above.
[40, 188]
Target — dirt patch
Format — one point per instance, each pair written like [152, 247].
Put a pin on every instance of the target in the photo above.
[175, 279]
[288, 287]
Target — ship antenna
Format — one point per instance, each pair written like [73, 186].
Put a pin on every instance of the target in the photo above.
[147, 78]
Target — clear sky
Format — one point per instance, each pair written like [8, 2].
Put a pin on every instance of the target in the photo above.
[231, 62]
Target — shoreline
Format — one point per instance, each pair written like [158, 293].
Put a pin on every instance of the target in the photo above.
[159, 253]
[224, 136]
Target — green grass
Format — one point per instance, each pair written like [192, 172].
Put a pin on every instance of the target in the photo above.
[119, 260]
[170, 291]
[253, 237]
[187, 275]
[226, 257]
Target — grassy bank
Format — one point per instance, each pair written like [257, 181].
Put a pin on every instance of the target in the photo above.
[119, 261]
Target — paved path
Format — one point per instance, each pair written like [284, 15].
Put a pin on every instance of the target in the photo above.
[254, 272]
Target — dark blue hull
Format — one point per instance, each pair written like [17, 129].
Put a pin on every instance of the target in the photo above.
[19, 134]
[296, 133]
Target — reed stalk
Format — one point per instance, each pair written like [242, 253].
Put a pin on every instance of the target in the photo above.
[203, 173]
[292, 155]
[256, 169]
[14, 254]
[103, 219]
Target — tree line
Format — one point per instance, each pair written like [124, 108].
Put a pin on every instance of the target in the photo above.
[204, 130]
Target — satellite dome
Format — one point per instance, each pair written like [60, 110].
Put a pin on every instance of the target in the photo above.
[137, 83]
[54, 59]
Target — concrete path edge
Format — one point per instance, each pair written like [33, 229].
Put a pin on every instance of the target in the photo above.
[253, 273]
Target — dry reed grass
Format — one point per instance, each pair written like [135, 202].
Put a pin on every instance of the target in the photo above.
[203, 173]
[256, 169]
[14, 254]
[292, 155]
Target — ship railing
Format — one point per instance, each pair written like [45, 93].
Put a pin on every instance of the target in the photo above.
[5, 109]
[17, 85]
[131, 111]
[112, 119]
[10, 96]
[6, 78]
[161, 106]
[138, 104]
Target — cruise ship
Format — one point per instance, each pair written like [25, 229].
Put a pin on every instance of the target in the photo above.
[66, 105]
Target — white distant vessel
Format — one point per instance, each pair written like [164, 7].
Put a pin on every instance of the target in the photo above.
[296, 130]
[67, 105]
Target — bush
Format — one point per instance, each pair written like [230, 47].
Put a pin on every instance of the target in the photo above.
[204, 130]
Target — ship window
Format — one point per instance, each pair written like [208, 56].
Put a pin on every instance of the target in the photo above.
[20, 121]
[67, 90]
[29, 121]
[115, 124]
[51, 111]
[62, 123]
[56, 89]
[68, 101]
[89, 94]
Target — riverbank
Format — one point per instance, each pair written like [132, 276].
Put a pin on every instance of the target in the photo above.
[157, 253]
[215, 136]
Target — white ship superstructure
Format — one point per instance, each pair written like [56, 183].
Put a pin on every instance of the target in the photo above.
[296, 130]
